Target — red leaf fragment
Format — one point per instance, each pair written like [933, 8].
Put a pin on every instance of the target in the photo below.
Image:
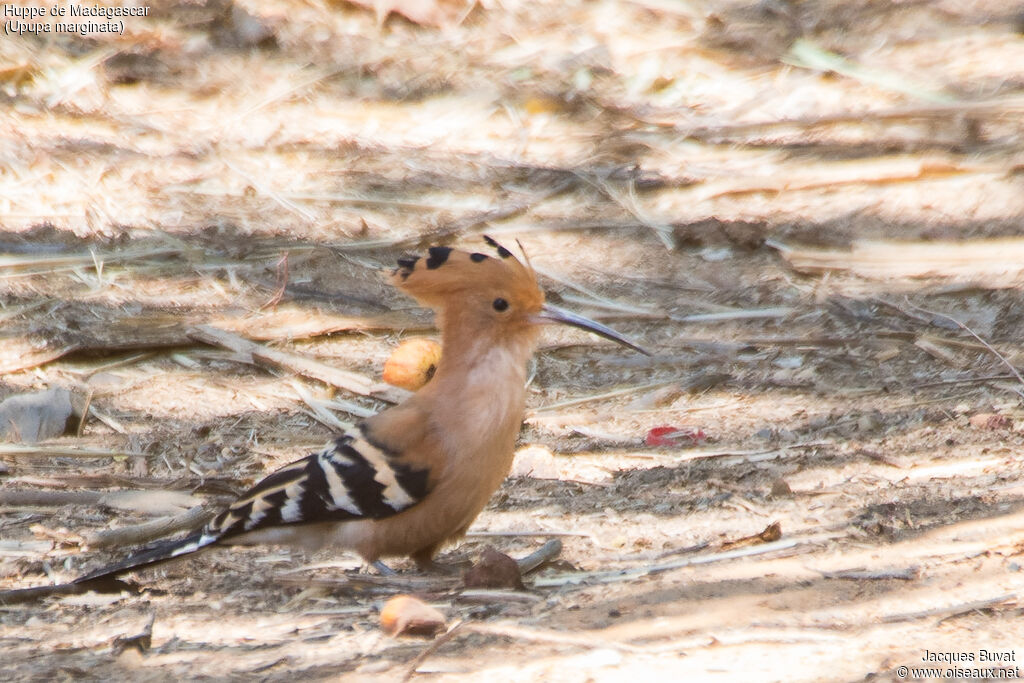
[674, 437]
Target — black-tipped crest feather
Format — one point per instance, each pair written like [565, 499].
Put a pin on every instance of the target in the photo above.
[502, 251]
[438, 255]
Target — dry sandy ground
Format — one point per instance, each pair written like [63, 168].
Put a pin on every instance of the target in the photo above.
[790, 203]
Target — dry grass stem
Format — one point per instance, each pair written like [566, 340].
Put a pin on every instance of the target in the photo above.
[624, 391]
[807, 54]
[616, 576]
[42, 265]
[149, 531]
[59, 451]
[592, 297]
[318, 409]
[951, 610]
[889, 116]
[997, 263]
[726, 316]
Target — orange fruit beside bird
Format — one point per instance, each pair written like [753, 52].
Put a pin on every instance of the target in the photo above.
[412, 364]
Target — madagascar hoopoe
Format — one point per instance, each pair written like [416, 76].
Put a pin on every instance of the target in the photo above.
[414, 477]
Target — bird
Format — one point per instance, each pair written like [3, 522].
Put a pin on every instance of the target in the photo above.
[413, 478]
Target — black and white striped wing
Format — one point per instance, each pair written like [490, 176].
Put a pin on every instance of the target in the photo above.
[352, 478]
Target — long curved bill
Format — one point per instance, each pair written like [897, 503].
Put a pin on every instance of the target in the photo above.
[553, 314]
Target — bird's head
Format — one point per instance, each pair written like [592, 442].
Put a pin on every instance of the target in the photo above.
[491, 298]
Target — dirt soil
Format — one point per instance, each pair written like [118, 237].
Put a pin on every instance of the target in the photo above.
[791, 204]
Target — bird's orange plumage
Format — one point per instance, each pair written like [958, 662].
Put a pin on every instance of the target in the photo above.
[463, 424]
[413, 477]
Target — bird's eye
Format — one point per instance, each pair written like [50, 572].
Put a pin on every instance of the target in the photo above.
[500, 304]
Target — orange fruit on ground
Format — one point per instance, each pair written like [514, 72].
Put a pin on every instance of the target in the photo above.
[412, 364]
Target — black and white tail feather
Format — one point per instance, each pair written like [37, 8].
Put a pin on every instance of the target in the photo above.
[352, 478]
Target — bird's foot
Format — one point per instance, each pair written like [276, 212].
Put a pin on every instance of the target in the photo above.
[432, 567]
[383, 569]
[425, 566]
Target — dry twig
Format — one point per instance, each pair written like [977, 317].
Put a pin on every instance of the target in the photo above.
[616, 576]
[349, 381]
[984, 343]
[33, 498]
[905, 574]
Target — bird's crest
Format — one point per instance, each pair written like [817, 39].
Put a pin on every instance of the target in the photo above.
[446, 272]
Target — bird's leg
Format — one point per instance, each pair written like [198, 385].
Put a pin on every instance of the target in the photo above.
[383, 569]
[427, 566]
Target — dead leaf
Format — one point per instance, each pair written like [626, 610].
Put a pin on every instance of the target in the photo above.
[140, 641]
[991, 421]
[771, 533]
[535, 461]
[493, 570]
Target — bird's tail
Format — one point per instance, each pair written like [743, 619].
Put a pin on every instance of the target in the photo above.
[153, 554]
